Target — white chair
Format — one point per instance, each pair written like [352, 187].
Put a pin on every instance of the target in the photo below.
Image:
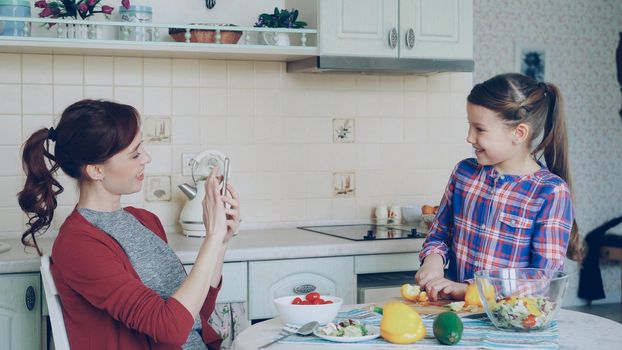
[54, 306]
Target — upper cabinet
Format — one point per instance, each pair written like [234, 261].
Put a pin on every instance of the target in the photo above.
[396, 28]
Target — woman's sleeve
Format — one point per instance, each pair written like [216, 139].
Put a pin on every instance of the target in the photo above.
[210, 336]
[438, 236]
[94, 269]
[552, 230]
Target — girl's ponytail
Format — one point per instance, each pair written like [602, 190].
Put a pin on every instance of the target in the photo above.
[38, 198]
[554, 147]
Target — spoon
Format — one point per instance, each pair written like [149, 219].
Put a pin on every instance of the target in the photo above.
[305, 329]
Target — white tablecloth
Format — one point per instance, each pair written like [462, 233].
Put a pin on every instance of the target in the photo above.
[577, 330]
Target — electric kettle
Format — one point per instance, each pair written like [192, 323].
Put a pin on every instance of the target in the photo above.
[191, 217]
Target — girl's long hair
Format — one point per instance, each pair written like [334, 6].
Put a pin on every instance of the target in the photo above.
[89, 132]
[517, 99]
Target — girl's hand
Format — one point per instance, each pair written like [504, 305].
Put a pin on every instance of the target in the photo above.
[431, 269]
[214, 217]
[442, 288]
[232, 211]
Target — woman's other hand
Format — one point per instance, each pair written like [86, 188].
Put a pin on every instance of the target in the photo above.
[232, 211]
[214, 217]
[431, 269]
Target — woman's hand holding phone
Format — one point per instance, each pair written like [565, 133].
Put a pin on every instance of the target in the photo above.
[214, 216]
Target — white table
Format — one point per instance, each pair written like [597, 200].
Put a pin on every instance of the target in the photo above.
[577, 330]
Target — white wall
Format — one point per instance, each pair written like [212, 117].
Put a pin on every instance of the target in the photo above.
[276, 127]
[581, 37]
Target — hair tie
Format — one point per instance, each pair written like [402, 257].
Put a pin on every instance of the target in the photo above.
[52, 134]
[544, 87]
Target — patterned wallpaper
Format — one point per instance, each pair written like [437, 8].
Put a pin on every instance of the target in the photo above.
[580, 37]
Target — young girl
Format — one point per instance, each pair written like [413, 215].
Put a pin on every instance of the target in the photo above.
[120, 284]
[504, 208]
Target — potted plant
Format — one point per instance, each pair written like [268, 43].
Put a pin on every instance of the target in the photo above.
[281, 18]
[76, 9]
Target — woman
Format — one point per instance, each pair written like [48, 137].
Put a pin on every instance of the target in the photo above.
[120, 284]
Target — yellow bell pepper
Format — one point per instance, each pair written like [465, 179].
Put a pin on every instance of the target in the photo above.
[401, 324]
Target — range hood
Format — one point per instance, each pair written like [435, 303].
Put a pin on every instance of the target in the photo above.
[377, 65]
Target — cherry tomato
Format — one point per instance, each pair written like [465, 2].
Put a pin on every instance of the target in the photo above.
[321, 301]
[312, 296]
[328, 302]
[529, 321]
[297, 301]
[305, 302]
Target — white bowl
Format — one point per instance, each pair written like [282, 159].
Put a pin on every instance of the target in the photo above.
[411, 214]
[301, 314]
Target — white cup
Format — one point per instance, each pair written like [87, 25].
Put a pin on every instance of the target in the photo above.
[382, 213]
[395, 213]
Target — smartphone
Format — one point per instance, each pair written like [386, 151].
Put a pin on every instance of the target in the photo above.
[225, 177]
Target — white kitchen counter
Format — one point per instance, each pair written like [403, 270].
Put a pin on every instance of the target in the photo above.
[248, 245]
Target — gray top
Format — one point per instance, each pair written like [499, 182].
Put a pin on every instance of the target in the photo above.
[155, 262]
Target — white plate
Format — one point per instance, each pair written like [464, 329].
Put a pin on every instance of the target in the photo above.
[373, 333]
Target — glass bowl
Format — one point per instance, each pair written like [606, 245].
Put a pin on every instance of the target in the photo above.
[524, 298]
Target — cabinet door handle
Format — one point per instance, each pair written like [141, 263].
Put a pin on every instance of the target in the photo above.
[393, 38]
[304, 289]
[410, 38]
[29, 298]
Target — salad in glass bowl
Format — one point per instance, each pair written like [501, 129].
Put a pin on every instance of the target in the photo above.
[524, 298]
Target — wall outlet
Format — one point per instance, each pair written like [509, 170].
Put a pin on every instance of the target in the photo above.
[186, 163]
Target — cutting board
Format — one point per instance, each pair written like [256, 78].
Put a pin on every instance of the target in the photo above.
[432, 307]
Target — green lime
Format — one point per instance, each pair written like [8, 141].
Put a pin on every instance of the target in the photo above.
[448, 328]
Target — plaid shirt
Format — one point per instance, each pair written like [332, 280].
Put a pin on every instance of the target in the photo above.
[488, 220]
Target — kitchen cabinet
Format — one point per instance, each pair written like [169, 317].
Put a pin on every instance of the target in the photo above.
[276, 278]
[20, 311]
[235, 282]
[440, 29]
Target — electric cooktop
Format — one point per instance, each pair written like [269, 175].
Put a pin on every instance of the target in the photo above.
[366, 232]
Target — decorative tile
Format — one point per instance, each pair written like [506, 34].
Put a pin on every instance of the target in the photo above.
[343, 185]
[158, 188]
[157, 130]
[343, 130]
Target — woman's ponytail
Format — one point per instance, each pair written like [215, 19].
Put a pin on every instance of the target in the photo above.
[38, 198]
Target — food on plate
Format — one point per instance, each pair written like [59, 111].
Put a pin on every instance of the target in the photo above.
[401, 324]
[448, 328]
[346, 328]
[525, 312]
[414, 293]
[472, 296]
[313, 298]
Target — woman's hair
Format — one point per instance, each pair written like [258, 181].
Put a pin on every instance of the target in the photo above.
[89, 132]
[517, 99]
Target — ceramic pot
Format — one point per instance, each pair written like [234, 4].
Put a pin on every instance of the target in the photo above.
[276, 38]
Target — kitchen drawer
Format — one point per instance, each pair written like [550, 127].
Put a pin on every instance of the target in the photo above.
[386, 263]
[277, 278]
[234, 282]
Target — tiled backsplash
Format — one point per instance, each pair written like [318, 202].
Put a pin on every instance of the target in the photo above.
[276, 127]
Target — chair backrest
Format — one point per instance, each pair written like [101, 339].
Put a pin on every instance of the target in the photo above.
[54, 306]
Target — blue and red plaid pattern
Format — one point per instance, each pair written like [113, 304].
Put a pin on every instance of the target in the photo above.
[490, 220]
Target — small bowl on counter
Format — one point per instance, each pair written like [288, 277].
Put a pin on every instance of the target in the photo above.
[521, 299]
[300, 313]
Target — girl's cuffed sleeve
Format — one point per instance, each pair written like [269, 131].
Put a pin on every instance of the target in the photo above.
[439, 234]
[552, 230]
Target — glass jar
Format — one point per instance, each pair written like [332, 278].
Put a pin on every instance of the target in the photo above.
[136, 14]
[14, 8]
